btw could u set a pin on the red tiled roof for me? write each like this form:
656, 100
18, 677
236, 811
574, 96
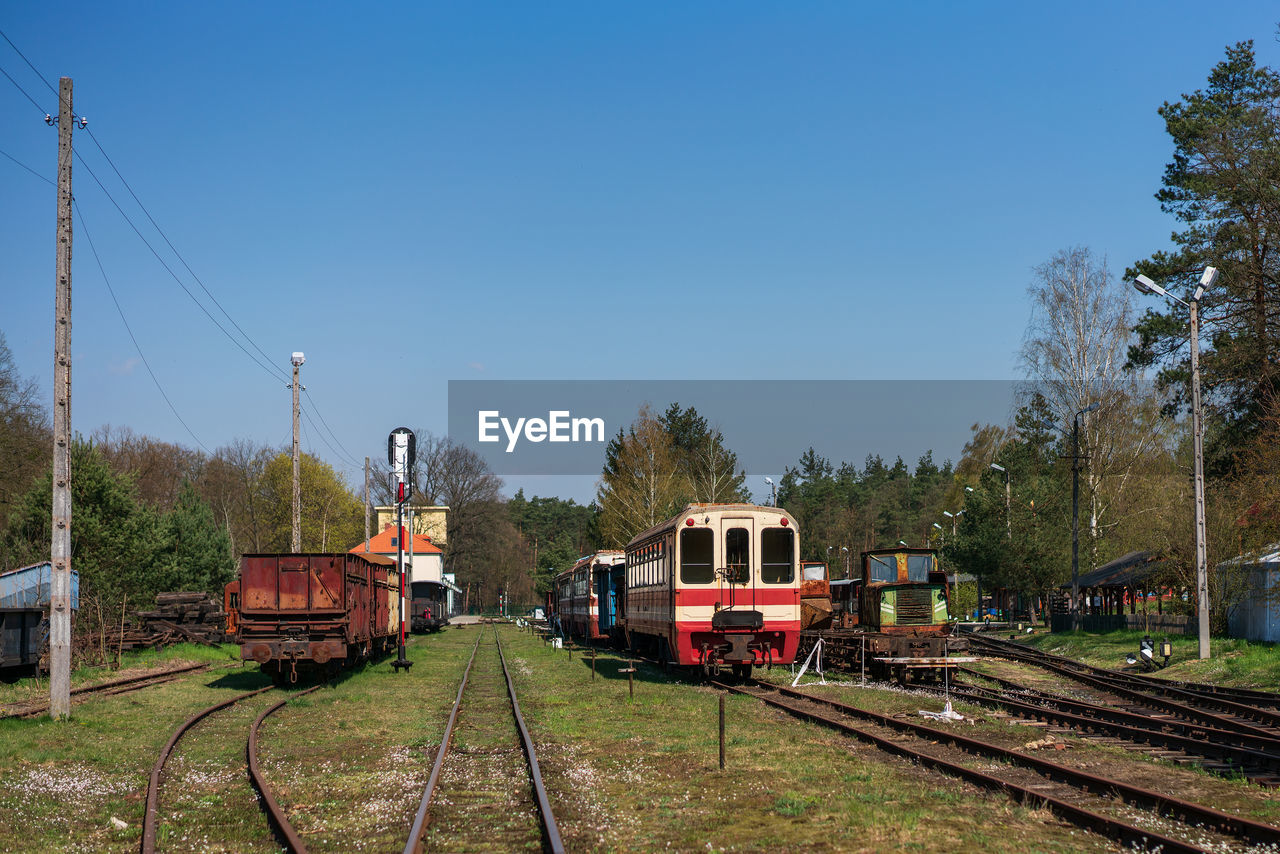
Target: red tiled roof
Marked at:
385, 543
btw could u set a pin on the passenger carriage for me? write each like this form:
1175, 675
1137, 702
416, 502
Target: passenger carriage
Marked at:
716, 586
587, 596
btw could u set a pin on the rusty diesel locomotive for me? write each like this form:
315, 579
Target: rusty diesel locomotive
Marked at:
313, 611
892, 620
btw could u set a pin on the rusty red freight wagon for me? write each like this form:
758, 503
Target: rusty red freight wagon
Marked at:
294, 611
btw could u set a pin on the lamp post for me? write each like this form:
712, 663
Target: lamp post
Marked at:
773, 492
845, 551
1008, 523
1207, 280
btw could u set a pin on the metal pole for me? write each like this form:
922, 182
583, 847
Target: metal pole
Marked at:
60, 545
1075, 523
1197, 429
366, 504
400, 660
296, 541
721, 731
1008, 492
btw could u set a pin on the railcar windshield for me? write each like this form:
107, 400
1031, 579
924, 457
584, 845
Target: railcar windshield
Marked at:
737, 555
883, 567
919, 567
813, 571
777, 556
696, 560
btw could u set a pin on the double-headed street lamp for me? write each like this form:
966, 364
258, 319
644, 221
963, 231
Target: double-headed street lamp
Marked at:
773, 492
1207, 280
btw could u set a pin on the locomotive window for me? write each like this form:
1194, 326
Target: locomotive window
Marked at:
883, 567
814, 572
777, 551
696, 547
737, 555
919, 567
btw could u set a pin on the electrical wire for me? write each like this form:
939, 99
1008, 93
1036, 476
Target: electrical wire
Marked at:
349, 458
29, 65
85, 228
24, 91
272, 372
48, 181
175, 251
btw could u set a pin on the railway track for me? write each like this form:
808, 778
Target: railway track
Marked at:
1222, 751
279, 822
1098, 804
485, 791
1145, 695
106, 689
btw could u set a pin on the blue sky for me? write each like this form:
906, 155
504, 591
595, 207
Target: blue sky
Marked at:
413, 193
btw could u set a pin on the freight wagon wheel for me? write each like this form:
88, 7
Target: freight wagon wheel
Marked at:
902, 674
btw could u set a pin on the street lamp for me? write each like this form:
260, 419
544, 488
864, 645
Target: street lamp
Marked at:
1008, 523
845, 551
1207, 280
773, 492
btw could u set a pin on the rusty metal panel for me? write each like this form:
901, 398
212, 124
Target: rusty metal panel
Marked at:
294, 582
258, 589
326, 582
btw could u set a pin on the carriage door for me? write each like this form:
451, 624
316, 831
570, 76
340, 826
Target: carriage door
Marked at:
737, 543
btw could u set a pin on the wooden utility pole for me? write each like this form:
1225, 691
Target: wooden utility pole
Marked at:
296, 542
60, 550
366, 504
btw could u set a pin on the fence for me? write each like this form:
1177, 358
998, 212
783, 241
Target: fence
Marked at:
1164, 624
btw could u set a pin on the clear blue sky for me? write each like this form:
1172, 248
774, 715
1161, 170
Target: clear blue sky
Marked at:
412, 193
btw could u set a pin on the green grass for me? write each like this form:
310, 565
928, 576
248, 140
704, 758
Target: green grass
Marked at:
349, 763
1232, 662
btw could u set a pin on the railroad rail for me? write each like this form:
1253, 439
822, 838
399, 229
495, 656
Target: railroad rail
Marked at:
275, 814
549, 830
1057, 787
1204, 707
1256, 757
109, 688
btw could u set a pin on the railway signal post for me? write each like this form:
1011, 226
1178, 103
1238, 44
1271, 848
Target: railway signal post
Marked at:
401, 452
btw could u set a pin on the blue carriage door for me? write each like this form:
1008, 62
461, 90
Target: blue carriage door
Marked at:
605, 602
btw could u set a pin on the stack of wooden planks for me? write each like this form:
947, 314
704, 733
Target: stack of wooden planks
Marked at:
180, 617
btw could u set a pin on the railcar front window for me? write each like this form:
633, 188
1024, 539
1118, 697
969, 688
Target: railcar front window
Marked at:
737, 555
777, 553
884, 567
919, 567
696, 561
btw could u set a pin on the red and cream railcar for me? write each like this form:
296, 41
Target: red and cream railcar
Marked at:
577, 596
716, 585
301, 610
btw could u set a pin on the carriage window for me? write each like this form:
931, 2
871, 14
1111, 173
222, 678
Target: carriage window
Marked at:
813, 571
883, 567
919, 567
777, 551
737, 555
696, 546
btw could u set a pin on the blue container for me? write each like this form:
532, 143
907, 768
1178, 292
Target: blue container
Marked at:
28, 587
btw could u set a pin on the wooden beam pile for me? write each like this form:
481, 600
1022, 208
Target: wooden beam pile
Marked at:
177, 617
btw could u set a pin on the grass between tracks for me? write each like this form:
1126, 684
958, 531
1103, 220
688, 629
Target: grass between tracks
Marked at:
350, 762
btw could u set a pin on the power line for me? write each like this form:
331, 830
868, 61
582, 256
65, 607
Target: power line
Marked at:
175, 251
273, 372
85, 228
23, 91
349, 458
29, 65
48, 181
